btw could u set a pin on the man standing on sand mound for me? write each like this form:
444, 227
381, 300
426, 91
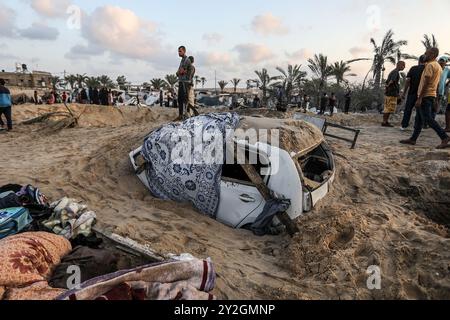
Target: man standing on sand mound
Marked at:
184, 74
426, 100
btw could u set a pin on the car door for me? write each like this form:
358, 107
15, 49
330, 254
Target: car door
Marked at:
237, 201
239, 198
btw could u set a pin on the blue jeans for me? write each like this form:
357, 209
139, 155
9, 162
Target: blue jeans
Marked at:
409, 107
424, 116
7, 112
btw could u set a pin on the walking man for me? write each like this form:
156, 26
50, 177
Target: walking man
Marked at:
427, 94
184, 79
392, 93
411, 88
5, 106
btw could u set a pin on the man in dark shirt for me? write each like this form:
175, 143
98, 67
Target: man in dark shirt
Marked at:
332, 103
83, 96
411, 87
323, 103
256, 102
392, 93
348, 101
95, 98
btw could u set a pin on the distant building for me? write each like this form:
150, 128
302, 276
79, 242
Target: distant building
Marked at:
35, 79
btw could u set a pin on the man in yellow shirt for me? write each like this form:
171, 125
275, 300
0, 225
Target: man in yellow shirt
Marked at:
426, 100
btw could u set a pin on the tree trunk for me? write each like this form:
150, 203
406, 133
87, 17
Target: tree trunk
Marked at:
378, 79
264, 96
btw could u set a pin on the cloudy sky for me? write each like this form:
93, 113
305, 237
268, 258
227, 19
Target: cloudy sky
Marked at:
140, 38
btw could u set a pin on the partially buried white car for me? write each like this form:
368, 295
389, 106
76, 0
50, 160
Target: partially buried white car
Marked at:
299, 167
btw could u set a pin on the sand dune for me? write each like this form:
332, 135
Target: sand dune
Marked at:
389, 207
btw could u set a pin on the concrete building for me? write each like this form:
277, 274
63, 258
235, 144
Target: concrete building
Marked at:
35, 79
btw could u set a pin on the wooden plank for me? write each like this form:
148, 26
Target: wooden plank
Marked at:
130, 245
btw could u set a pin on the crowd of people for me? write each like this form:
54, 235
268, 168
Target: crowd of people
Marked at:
102, 96
424, 90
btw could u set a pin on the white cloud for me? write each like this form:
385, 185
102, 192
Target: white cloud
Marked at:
214, 59
212, 38
121, 32
79, 52
300, 55
268, 24
253, 53
39, 31
7, 21
51, 8
359, 51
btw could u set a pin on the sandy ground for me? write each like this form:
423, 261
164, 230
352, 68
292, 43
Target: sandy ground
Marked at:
389, 207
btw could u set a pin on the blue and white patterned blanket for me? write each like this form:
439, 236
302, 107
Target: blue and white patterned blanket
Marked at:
185, 160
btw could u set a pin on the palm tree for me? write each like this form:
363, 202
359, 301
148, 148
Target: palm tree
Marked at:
264, 81
249, 84
146, 86
222, 84
291, 78
81, 78
122, 82
197, 81
340, 70
92, 82
171, 80
389, 50
157, 83
430, 42
106, 81
235, 82
203, 80
319, 66
55, 80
